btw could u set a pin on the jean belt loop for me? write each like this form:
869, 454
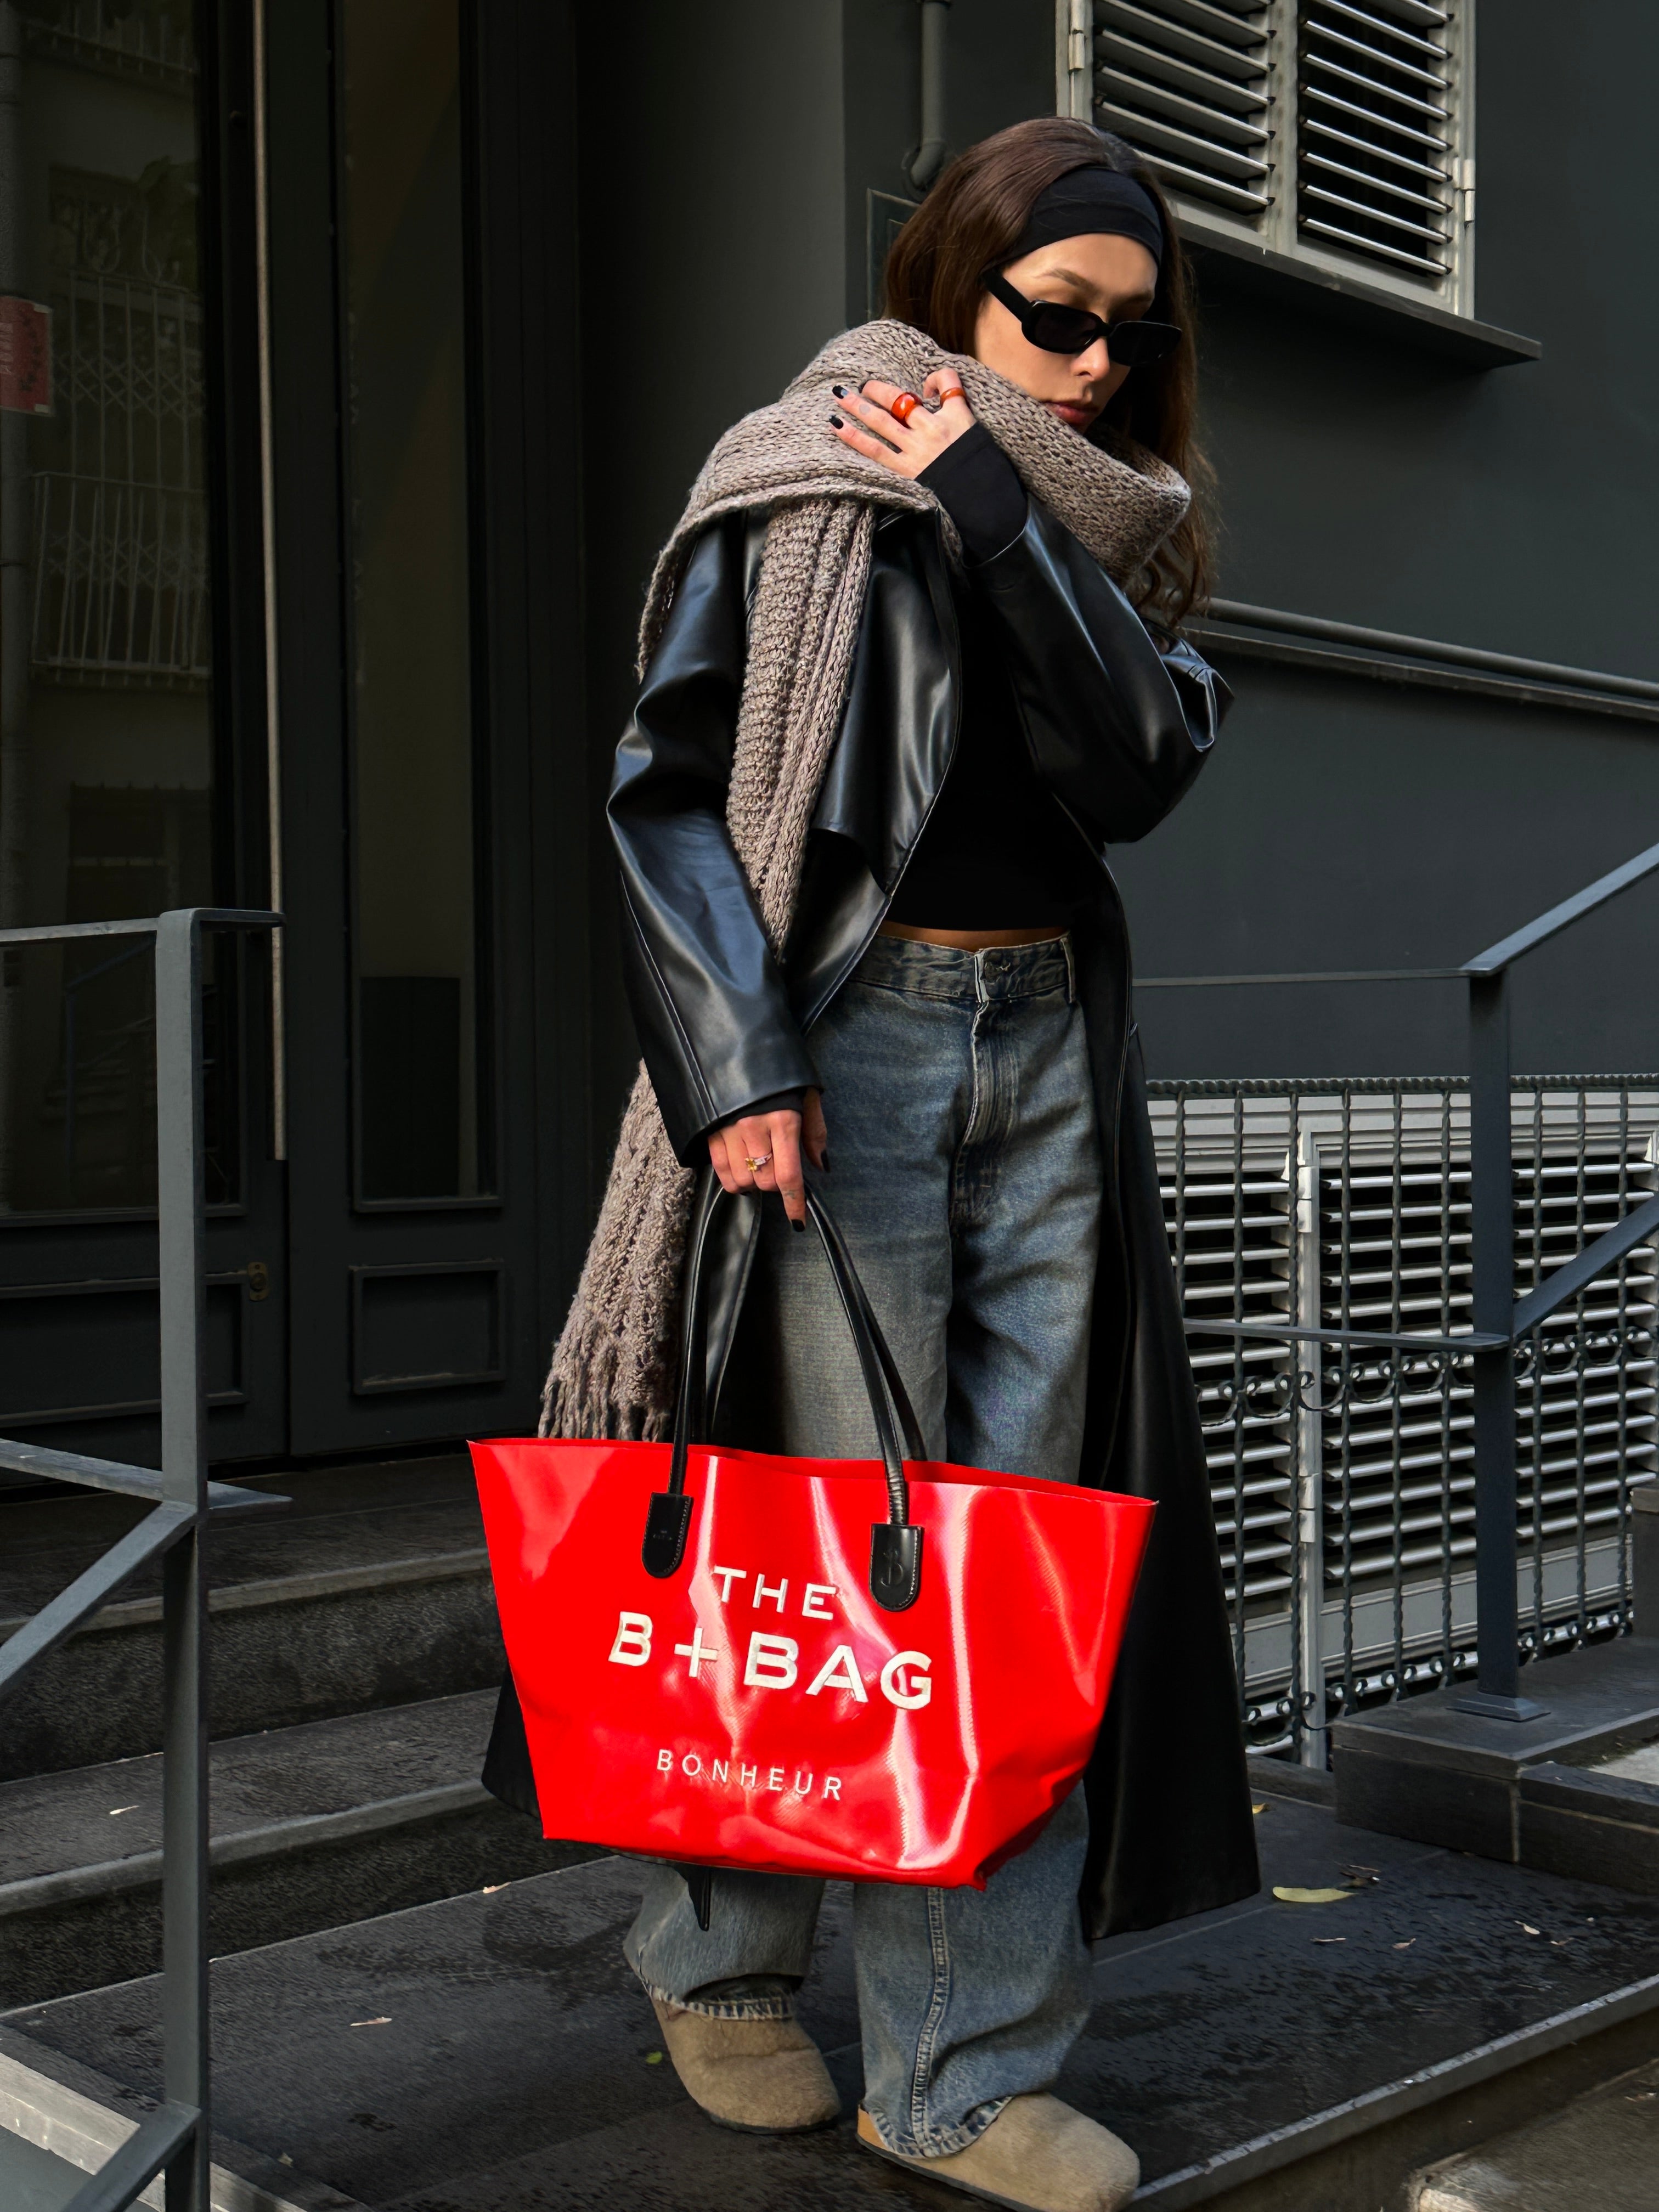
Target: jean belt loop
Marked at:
982, 996
1070, 970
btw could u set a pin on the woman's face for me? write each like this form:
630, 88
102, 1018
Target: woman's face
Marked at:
1114, 277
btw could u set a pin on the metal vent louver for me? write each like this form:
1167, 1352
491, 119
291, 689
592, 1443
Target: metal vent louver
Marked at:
1344, 1499
1186, 82
1337, 133
1377, 168
1227, 1200
1393, 1253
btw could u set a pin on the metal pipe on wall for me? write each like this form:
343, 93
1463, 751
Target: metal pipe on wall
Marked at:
925, 164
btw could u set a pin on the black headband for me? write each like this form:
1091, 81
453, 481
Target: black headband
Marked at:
1093, 199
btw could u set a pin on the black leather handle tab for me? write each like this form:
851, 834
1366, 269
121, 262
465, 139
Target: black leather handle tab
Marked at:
895, 1543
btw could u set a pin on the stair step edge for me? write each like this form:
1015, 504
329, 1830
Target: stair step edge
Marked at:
288, 1589
1285, 2147
142, 1870
85, 2131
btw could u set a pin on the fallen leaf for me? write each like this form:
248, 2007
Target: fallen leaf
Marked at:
1330, 1939
490, 1887
383, 2020
1527, 1929
1406, 1945
1360, 1877
282, 2159
1258, 1808
114, 1809
1312, 1896
653, 2058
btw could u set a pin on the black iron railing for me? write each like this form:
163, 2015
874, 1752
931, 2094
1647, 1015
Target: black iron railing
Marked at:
1503, 1330
175, 2138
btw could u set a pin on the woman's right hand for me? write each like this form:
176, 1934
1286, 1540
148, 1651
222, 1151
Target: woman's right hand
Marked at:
777, 1140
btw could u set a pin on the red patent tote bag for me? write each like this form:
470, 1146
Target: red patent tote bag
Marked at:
886, 1670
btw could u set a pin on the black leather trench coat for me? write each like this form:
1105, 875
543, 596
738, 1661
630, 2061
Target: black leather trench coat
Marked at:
1118, 729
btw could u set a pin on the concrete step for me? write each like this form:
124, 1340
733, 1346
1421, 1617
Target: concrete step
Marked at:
55, 2129
1603, 2150
492, 2053
374, 1589
313, 1826
35, 2179
1564, 1792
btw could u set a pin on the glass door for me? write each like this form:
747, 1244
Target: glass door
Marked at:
118, 744
414, 1239
423, 1051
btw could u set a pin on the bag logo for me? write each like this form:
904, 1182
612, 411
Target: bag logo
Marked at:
771, 1661
693, 1766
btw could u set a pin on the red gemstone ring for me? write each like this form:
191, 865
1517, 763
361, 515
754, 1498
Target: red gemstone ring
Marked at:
904, 406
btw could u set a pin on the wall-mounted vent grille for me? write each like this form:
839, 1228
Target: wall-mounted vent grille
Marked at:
1375, 131
1187, 83
1228, 1210
1393, 1254
1335, 132
1342, 1482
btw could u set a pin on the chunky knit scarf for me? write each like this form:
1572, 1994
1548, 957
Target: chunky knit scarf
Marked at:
613, 1370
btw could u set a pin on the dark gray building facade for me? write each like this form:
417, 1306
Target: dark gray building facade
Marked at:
384, 342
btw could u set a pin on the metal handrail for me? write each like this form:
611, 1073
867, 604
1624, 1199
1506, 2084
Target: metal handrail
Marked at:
1499, 1321
175, 2139
1431, 649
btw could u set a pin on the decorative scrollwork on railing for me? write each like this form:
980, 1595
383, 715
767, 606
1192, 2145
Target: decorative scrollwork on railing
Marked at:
1347, 1381
1591, 1344
1392, 1378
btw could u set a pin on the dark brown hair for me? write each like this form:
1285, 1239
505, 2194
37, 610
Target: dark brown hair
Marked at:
973, 220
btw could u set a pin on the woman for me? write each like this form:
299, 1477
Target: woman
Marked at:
897, 700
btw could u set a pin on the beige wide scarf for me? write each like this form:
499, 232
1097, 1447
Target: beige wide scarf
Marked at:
613, 1370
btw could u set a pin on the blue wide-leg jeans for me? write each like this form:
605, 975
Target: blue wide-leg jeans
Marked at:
966, 1177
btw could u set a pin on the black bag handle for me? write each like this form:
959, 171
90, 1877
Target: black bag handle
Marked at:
895, 1543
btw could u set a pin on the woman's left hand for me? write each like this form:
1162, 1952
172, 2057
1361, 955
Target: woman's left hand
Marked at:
907, 448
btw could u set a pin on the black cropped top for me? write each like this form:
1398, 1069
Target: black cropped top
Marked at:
996, 852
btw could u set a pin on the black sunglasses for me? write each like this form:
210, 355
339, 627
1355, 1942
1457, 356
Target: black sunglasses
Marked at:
1074, 330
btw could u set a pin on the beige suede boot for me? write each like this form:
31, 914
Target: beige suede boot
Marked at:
1038, 2156
763, 2077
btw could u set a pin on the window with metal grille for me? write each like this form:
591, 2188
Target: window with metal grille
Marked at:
1339, 133
120, 508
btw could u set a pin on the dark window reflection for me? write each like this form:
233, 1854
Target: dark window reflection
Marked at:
421, 1029
106, 754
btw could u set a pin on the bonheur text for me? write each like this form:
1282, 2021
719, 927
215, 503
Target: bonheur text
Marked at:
775, 1662
737, 1774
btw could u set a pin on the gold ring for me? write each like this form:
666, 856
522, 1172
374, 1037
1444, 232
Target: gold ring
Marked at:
755, 1166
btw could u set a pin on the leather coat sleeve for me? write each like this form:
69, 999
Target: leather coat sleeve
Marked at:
1118, 729
707, 1000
